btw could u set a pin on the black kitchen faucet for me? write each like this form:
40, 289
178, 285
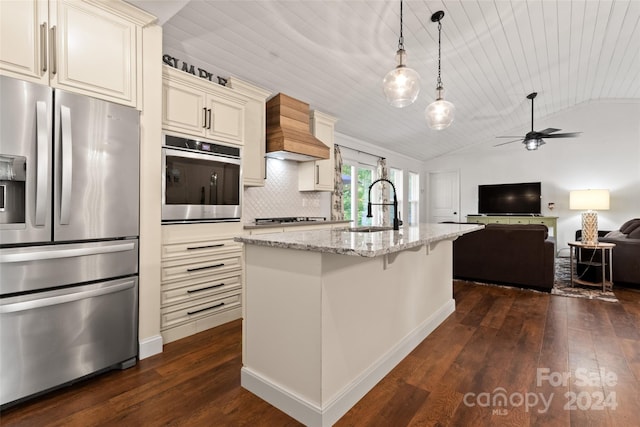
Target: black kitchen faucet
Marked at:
396, 219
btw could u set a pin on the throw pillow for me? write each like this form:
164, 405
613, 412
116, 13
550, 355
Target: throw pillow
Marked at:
615, 234
630, 225
635, 234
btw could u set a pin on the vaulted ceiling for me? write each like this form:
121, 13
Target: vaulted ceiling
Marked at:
334, 55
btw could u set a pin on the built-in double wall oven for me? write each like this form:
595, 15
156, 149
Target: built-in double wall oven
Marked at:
202, 180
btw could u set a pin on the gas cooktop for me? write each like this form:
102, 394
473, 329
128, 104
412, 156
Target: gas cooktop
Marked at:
285, 219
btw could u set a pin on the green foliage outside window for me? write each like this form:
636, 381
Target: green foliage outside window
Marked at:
363, 178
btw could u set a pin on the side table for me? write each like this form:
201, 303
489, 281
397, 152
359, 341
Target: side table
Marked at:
603, 248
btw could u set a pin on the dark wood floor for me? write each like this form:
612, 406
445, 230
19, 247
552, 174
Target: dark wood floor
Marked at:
498, 337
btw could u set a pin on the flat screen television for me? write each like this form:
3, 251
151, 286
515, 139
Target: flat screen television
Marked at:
510, 199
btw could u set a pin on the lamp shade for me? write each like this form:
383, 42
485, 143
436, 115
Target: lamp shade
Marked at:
589, 199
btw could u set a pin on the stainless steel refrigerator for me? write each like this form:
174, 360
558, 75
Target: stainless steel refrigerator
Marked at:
69, 214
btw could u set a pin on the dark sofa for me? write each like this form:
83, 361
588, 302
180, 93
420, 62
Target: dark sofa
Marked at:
626, 255
520, 255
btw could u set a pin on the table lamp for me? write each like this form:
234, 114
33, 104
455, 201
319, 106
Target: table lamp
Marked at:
589, 200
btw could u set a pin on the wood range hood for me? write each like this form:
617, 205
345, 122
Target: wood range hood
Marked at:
288, 133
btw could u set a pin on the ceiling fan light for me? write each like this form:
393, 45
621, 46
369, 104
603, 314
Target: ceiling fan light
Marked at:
533, 144
440, 113
401, 85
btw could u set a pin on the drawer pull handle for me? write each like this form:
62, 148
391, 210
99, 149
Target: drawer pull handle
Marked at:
190, 291
205, 309
206, 267
204, 117
206, 247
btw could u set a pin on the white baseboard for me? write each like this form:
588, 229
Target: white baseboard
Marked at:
313, 416
150, 346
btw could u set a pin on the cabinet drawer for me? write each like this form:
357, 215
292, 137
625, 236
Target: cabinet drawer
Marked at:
520, 221
199, 249
541, 221
497, 221
201, 266
204, 287
193, 310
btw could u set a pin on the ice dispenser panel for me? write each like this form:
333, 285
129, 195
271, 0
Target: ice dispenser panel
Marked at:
12, 189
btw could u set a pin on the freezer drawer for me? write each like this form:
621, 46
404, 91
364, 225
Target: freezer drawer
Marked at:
39, 267
50, 338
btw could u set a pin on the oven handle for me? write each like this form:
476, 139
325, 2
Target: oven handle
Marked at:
65, 253
192, 155
61, 299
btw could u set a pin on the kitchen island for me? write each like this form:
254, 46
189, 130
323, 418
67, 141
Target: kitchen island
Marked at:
328, 313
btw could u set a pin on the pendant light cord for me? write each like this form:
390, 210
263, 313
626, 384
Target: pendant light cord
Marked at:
439, 31
401, 39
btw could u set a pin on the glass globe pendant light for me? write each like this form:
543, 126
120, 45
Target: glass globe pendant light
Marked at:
402, 84
440, 113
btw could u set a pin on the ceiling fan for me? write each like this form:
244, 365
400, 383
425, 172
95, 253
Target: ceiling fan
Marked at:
532, 140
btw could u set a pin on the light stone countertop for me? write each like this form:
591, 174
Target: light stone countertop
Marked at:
372, 244
253, 226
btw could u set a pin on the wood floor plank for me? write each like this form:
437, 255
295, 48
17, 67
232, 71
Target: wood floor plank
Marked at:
498, 339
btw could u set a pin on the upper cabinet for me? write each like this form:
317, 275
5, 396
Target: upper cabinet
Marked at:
198, 107
89, 47
319, 175
253, 160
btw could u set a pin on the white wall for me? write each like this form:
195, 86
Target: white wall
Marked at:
605, 155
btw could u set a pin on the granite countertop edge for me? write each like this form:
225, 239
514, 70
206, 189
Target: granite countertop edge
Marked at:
250, 226
324, 240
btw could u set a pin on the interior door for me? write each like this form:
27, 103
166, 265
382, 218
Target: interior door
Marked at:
96, 148
444, 196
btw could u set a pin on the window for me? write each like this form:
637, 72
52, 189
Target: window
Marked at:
414, 198
396, 176
356, 179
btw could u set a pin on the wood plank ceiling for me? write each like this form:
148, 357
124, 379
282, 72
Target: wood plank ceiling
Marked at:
334, 55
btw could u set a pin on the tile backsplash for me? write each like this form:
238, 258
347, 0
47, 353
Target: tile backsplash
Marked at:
280, 195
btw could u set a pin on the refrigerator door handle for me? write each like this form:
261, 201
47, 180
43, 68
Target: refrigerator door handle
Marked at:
65, 253
42, 162
66, 164
61, 299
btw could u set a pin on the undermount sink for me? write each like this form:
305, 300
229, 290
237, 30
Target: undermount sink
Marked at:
369, 229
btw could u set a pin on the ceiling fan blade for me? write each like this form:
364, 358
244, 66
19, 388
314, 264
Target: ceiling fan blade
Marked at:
549, 130
509, 142
563, 135
510, 136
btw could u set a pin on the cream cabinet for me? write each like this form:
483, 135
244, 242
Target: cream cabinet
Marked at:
201, 278
89, 47
253, 159
319, 175
198, 107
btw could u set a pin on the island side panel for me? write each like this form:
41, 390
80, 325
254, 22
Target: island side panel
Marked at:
282, 321
322, 329
376, 312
